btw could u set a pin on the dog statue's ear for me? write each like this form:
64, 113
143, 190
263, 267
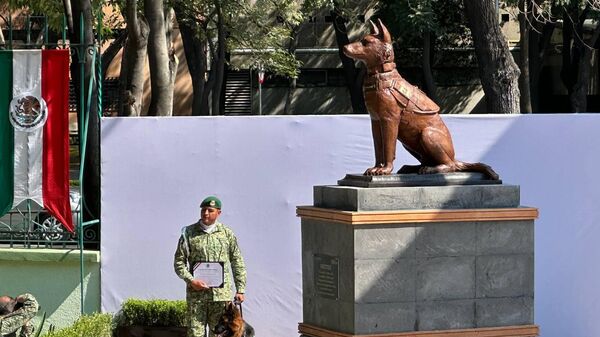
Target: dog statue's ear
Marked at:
374, 29
387, 38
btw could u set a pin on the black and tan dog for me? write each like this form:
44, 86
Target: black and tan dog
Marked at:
231, 323
401, 111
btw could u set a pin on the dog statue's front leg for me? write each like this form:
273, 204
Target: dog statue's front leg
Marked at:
378, 145
389, 129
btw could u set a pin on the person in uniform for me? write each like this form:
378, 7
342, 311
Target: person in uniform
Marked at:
208, 240
16, 313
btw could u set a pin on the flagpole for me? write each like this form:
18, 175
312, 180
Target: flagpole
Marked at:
10, 27
29, 221
82, 144
85, 114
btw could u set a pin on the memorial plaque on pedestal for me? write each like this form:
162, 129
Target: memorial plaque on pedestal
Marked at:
326, 276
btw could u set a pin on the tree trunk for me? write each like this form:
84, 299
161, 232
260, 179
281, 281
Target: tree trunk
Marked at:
498, 71
196, 55
569, 53
354, 77
131, 82
577, 55
91, 172
113, 49
173, 60
68, 15
220, 62
161, 103
210, 83
579, 96
524, 84
291, 90
429, 84
537, 55
573, 57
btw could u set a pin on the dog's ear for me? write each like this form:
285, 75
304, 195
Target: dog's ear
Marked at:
387, 38
374, 29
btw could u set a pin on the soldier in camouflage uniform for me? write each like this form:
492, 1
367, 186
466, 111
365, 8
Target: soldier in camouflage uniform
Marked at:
16, 313
209, 241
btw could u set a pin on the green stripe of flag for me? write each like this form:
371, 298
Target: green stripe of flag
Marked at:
6, 134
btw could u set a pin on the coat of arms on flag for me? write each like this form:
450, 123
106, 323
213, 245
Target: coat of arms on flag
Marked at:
28, 112
34, 131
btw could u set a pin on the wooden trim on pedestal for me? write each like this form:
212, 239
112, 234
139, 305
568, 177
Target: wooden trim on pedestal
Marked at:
412, 216
506, 331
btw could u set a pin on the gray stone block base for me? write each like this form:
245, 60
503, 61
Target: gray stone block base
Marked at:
350, 198
397, 278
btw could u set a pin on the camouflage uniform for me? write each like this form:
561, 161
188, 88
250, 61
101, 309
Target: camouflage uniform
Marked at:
20, 319
218, 246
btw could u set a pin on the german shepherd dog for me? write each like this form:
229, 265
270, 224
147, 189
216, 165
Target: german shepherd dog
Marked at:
231, 323
401, 111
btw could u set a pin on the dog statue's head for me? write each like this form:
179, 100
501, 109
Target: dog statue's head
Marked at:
230, 323
374, 49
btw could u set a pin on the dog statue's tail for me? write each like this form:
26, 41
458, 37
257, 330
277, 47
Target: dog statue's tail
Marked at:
477, 167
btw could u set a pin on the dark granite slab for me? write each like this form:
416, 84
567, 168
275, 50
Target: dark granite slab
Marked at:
401, 180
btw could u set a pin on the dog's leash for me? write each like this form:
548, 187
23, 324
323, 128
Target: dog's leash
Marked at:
239, 304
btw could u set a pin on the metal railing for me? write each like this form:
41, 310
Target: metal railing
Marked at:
38, 229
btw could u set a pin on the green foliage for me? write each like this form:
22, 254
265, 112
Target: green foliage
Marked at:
265, 27
415, 16
262, 27
53, 11
257, 31
409, 19
550, 11
160, 313
351, 9
97, 325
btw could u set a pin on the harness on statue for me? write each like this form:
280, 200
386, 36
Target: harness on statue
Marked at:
408, 96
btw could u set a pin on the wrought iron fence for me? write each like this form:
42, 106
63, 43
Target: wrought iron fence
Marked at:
24, 227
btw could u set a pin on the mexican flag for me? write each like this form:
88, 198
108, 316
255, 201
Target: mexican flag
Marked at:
34, 131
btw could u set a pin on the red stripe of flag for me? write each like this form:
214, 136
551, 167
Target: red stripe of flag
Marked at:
55, 162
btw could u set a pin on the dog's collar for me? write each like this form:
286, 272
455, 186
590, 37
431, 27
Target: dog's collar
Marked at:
378, 80
383, 75
385, 68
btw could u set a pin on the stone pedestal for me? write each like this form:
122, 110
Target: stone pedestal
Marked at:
417, 261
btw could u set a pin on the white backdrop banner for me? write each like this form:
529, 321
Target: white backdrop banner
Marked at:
155, 172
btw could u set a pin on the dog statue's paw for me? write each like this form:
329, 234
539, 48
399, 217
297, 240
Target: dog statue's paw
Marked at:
382, 170
372, 171
385, 171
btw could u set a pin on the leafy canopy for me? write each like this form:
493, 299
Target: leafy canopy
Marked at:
409, 19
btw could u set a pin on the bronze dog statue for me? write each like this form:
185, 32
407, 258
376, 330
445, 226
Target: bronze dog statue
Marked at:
401, 111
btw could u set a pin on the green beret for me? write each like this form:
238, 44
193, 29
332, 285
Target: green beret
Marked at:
211, 201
